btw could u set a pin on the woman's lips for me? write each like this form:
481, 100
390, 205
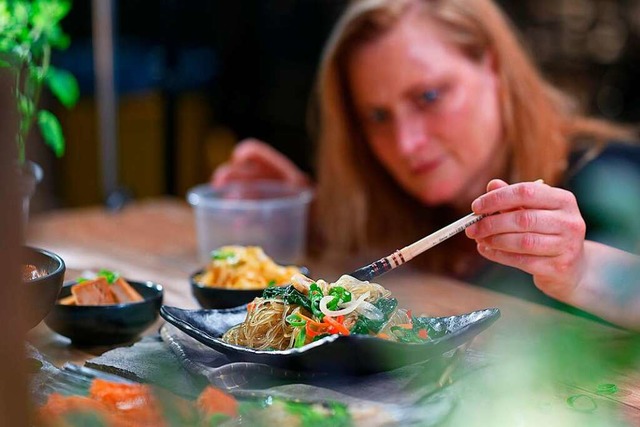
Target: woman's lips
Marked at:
427, 166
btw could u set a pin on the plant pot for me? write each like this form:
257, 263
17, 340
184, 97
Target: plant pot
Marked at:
30, 174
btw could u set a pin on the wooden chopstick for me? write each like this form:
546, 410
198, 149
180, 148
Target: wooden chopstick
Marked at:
407, 253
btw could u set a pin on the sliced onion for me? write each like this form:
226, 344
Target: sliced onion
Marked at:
348, 308
370, 311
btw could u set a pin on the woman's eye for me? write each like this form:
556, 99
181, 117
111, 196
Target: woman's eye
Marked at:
430, 96
378, 115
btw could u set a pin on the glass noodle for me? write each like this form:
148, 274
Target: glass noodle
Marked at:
308, 310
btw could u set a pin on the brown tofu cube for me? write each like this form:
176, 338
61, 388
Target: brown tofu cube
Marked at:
93, 292
124, 292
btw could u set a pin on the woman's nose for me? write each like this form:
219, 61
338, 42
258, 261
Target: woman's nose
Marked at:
411, 134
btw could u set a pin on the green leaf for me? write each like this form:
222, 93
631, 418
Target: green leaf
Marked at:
111, 276
7, 45
64, 86
58, 38
25, 105
47, 13
37, 74
4, 64
51, 131
20, 13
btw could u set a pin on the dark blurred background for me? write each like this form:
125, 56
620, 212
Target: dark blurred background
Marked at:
194, 76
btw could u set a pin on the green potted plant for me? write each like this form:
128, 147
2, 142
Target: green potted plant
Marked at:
29, 31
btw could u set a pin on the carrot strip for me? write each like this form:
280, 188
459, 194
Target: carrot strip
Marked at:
215, 401
338, 327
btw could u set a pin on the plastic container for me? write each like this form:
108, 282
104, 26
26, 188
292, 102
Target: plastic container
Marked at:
269, 214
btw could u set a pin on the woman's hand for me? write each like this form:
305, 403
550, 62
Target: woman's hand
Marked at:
253, 160
536, 228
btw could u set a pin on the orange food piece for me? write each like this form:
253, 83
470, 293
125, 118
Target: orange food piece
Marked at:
70, 300
58, 407
133, 405
93, 292
134, 401
215, 401
124, 292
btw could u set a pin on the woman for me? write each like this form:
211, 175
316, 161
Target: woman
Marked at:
420, 104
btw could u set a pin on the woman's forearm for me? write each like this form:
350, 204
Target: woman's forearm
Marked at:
609, 286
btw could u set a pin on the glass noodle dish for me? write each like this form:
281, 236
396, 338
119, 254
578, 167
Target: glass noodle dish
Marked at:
307, 310
244, 267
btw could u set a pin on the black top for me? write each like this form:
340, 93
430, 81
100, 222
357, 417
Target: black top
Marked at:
607, 188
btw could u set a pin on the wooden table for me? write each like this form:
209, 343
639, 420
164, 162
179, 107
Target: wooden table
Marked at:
155, 240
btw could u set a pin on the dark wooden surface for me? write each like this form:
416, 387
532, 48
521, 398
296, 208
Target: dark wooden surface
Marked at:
155, 240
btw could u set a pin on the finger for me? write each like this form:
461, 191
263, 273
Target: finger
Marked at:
519, 221
494, 184
531, 264
220, 176
244, 172
522, 195
268, 159
527, 244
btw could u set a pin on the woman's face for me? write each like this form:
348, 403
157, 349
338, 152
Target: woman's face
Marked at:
430, 114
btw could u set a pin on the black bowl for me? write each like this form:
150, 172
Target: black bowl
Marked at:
215, 297
41, 293
106, 324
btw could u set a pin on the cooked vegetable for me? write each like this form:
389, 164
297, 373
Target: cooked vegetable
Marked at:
307, 310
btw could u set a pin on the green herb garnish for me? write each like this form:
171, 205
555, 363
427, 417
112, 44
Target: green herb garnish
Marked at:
302, 336
295, 320
340, 296
435, 326
315, 295
288, 294
109, 275
313, 415
219, 254
365, 325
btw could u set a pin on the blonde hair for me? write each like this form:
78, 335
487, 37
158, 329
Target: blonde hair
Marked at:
359, 205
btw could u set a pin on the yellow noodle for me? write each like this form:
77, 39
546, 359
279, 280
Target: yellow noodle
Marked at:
248, 267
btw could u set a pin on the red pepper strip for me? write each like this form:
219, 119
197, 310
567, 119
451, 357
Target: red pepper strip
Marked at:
311, 332
422, 333
338, 327
251, 306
